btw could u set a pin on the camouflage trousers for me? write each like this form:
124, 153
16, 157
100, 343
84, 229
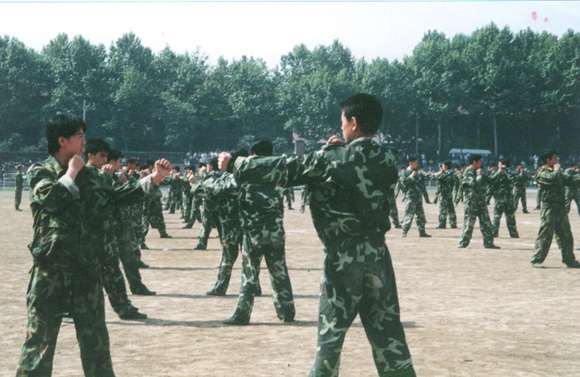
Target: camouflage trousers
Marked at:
195, 211
186, 209
554, 219
500, 207
414, 208
393, 212
231, 241
364, 285
470, 215
17, 198
174, 201
152, 215
209, 221
267, 242
289, 196
130, 255
520, 195
572, 196
113, 280
539, 199
447, 209
49, 292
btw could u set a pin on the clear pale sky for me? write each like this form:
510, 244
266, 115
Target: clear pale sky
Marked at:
268, 30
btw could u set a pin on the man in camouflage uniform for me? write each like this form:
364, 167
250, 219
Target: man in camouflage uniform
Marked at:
413, 183
262, 218
97, 156
128, 249
554, 218
152, 213
520, 177
502, 191
19, 185
175, 190
572, 192
358, 272
457, 189
209, 217
539, 192
134, 214
194, 211
225, 191
187, 195
444, 195
71, 205
473, 187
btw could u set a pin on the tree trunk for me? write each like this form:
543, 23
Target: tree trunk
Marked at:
417, 133
439, 137
494, 135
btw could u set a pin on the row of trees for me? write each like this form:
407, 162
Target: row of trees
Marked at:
511, 93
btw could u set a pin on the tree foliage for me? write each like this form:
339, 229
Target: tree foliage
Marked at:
519, 91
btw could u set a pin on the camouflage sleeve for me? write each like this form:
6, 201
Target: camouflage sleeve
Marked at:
571, 179
226, 185
282, 171
133, 192
548, 177
48, 191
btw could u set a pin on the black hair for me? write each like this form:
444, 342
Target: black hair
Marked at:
131, 160
213, 163
367, 110
547, 154
474, 158
95, 146
447, 164
262, 147
412, 159
507, 163
150, 163
62, 125
574, 164
201, 165
115, 154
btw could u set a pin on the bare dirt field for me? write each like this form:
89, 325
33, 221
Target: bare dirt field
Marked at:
466, 312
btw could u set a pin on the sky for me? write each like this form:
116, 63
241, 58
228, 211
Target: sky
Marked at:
270, 29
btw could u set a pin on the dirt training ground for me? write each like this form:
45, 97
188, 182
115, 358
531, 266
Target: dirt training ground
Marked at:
466, 312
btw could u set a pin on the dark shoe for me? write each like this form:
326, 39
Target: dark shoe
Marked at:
574, 264
131, 312
165, 235
200, 247
258, 292
491, 247
288, 314
142, 264
461, 246
424, 235
440, 227
538, 265
18, 209
236, 320
453, 226
537, 209
398, 226
213, 292
144, 247
516, 236
188, 226
526, 211
143, 291
404, 234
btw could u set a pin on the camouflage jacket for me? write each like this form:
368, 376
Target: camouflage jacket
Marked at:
347, 184
473, 187
72, 218
413, 186
501, 186
571, 173
520, 179
223, 190
19, 180
445, 183
552, 183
